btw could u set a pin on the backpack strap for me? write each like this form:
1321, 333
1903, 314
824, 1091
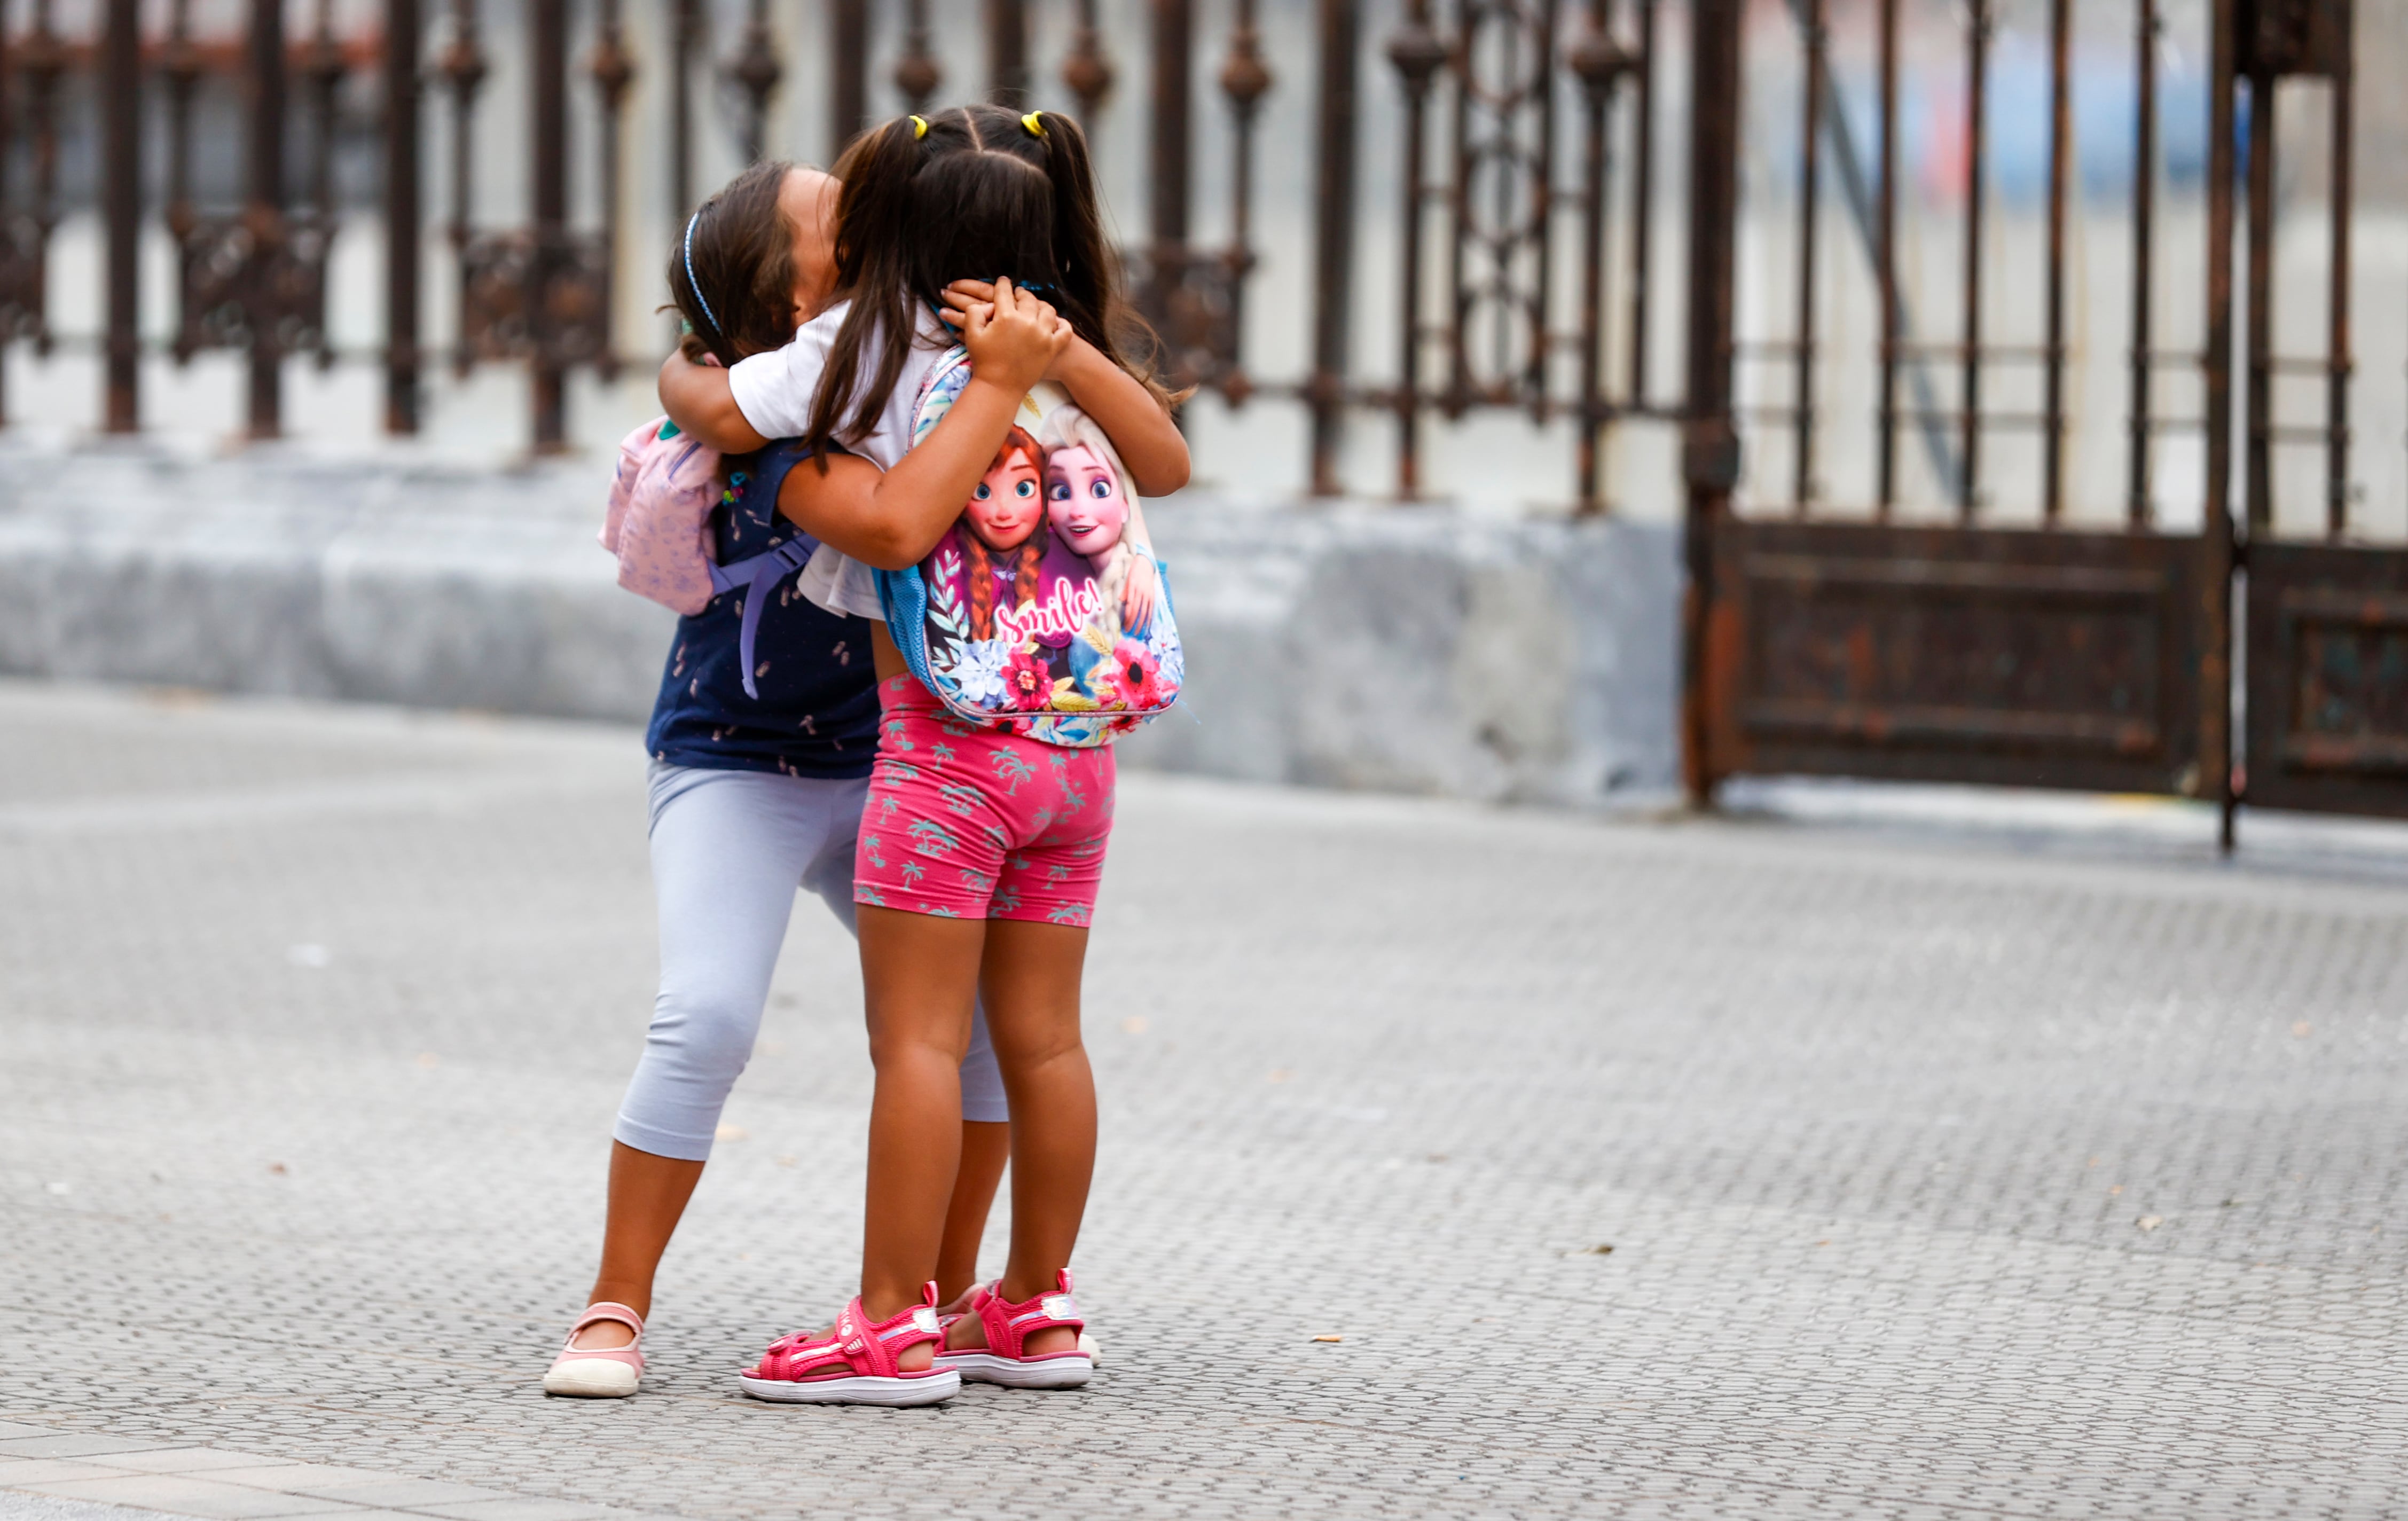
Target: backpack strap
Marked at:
756, 576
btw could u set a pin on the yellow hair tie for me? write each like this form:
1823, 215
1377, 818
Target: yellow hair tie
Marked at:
919, 128
1036, 126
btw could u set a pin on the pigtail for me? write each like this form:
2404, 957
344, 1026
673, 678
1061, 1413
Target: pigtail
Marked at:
1095, 303
874, 234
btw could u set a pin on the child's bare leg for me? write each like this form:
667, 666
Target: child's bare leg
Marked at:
985, 1147
921, 975
647, 1196
1030, 979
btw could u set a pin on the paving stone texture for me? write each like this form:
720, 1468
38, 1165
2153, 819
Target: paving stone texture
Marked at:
1943, 1175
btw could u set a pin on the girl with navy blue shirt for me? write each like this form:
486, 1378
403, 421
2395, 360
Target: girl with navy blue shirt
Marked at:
753, 795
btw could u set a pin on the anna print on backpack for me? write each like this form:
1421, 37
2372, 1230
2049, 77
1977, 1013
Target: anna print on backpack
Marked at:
1039, 612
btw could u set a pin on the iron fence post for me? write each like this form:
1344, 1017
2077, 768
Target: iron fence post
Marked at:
1539, 297
2215, 545
463, 65
1007, 52
1087, 73
263, 174
2145, 224
548, 97
2338, 362
2060, 173
1810, 187
1244, 79
1969, 384
1418, 55
122, 195
916, 73
7, 227
1169, 153
685, 26
754, 70
1170, 160
1643, 204
1333, 237
1710, 444
612, 70
41, 60
401, 213
1886, 264
1599, 63
848, 71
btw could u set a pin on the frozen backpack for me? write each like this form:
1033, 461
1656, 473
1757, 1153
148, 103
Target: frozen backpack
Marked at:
658, 523
1041, 611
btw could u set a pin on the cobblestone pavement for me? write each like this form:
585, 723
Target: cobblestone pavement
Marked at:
1942, 1175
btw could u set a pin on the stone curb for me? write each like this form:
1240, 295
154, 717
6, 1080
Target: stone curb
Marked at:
1406, 648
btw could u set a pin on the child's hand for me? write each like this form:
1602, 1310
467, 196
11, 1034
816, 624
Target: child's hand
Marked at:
964, 297
961, 297
1137, 594
1012, 339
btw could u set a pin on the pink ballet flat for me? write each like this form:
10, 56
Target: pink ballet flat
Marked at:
598, 1372
1005, 1360
856, 1363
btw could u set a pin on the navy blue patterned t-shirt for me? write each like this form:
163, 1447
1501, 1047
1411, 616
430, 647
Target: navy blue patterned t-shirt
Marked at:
817, 714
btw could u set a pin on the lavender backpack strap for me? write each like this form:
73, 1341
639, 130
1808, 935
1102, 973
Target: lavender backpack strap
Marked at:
754, 577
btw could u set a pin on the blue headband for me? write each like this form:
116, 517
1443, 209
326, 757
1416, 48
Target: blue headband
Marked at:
695, 285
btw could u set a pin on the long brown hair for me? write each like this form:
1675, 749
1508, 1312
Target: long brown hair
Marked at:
740, 247
1027, 559
982, 193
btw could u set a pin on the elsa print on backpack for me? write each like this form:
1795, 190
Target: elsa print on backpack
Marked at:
1042, 611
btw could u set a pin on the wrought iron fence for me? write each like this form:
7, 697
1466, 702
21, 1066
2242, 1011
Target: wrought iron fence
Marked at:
2033, 625
1515, 115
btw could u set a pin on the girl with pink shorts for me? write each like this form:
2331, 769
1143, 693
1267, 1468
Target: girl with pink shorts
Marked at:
980, 854
968, 822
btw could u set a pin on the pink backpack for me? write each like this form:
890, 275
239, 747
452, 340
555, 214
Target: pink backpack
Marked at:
659, 519
658, 523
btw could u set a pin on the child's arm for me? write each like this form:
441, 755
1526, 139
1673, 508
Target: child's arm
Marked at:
1149, 444
893, 520
700, 402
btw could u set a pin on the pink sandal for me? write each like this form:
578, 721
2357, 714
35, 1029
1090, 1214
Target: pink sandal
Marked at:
948, 1313
1005, 1360
856, 1363
599, 1372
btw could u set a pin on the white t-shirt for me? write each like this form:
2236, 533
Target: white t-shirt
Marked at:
775, 392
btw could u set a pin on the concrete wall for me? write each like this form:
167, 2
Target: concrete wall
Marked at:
1399, 648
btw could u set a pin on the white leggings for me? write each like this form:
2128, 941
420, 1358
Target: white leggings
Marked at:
729, 848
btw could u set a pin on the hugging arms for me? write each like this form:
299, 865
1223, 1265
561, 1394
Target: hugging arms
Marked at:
892, 518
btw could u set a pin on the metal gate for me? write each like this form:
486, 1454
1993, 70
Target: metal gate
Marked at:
1986, 628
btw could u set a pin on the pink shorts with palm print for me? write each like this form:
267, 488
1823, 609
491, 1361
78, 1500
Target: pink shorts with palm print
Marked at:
976, 823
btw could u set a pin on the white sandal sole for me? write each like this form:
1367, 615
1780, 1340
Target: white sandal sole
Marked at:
860, 1389
1048, 1373
591, 1377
